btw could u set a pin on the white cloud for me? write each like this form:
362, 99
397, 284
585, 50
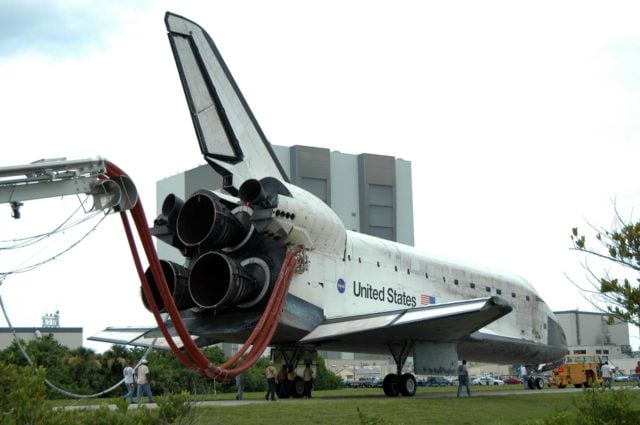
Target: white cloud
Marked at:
520, 120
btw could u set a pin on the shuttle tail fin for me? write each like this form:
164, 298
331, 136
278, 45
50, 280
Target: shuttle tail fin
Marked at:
230, 138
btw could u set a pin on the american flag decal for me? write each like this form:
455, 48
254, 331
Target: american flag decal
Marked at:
427, 300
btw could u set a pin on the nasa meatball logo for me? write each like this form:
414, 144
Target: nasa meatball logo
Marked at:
341, 286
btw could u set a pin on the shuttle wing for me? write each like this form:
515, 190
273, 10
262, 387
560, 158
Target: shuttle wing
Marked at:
445, 322
134, 336
230, 138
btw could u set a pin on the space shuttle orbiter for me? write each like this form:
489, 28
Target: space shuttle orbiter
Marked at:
374, 296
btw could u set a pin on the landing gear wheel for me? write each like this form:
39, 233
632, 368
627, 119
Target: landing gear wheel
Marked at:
539, 383
531, 383
298, 388
390, 385
408, 385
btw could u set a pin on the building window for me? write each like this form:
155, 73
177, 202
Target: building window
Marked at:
473, 285
455, 281
316, 186
380, 211
499, 291
487, 288
381, 232
380, 195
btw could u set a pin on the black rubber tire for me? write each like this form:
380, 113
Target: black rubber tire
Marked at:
298, 388
531, 383
408, 385
390, 385
539, 383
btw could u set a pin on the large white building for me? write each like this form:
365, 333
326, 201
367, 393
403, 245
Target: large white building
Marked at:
591, 333
69, 337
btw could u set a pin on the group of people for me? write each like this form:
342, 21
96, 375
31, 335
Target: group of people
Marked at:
283, 383
137, 379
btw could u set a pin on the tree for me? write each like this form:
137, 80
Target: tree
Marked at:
326, 379
618, 285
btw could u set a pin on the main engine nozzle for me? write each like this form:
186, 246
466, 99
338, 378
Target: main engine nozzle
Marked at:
171, 207
164, 227
205, 221
178, 281
220, 281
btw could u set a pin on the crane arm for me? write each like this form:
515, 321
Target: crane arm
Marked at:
59, 177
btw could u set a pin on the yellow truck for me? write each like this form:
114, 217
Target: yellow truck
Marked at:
579, 370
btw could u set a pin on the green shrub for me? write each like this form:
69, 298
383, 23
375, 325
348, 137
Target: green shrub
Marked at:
176, 406
598, 407
23, 400
606, 407
22, 394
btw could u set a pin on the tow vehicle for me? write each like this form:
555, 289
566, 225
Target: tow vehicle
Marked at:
579, 370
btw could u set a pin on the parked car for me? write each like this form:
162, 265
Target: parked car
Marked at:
487, 380
634, 377
437, 381
365, 382
512, 381
621, 378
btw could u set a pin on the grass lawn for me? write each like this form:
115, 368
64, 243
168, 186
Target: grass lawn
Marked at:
429, 406
343, 406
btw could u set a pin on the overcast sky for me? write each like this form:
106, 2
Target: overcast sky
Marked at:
520, 120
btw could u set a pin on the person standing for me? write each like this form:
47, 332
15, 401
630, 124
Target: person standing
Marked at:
524, 376
463, 378
270, 373
607, 374
240, 386
638, 373
127, 372
307, 377
281, 382
143, 381
291, 381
